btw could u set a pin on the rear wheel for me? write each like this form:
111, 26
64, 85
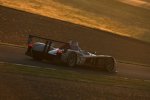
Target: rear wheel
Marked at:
36, 56
72, 59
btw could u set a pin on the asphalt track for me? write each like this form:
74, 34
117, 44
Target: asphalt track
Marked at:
16, 55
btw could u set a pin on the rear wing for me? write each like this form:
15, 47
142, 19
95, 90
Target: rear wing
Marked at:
30, 39
48, 43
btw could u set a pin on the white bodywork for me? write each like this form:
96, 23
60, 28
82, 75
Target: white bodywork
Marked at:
82, 57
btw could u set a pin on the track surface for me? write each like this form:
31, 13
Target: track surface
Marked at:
16, 25
16, 55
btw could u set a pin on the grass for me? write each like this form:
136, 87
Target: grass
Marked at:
25, 82
75, 76
114, 16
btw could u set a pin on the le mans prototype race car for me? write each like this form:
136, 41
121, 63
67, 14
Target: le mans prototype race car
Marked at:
67, 53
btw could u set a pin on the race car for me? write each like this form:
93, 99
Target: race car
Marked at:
68, 53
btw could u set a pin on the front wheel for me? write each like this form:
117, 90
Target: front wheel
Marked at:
72, 59
110, 66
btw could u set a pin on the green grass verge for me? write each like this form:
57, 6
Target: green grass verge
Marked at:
76, 76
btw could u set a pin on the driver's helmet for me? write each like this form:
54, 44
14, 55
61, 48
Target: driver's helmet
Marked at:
74, 45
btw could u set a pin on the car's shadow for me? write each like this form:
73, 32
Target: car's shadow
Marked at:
78, 69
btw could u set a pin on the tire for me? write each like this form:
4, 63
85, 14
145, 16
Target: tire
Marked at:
72, 59
110, 66
36, 56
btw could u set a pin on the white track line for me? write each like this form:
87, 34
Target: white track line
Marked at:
132, 63
26, 65
13, 45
